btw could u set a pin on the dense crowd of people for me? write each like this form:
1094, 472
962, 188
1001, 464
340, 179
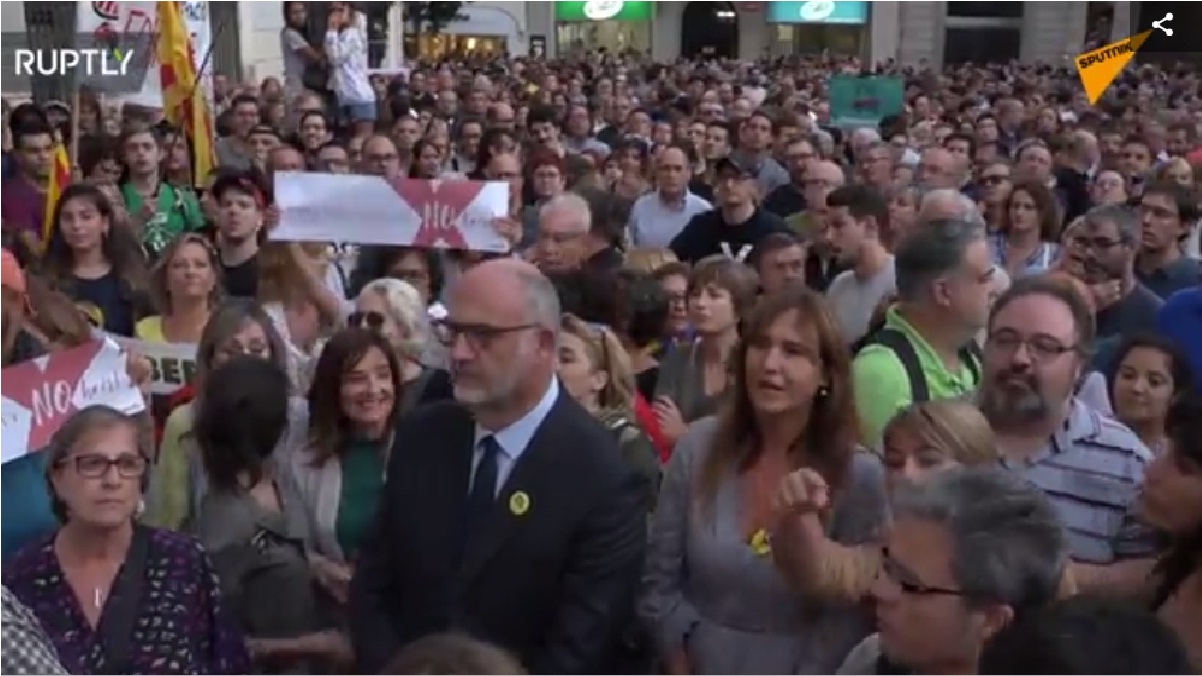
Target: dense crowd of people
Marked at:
749, 394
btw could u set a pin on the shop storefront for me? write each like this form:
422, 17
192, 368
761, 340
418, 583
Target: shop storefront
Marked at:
814, 26
611, 24
482, 29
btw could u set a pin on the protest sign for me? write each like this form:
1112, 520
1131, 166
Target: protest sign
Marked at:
405, 212
858, 101
134, 25
43, 393
173, 364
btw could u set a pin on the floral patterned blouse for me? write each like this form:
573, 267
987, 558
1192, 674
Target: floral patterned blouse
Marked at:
181, 628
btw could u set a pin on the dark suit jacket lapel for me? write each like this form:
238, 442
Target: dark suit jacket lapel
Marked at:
527, 475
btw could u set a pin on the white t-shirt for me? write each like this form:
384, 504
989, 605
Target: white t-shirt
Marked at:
854, 300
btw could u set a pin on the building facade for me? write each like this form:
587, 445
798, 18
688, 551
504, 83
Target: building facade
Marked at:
247, 44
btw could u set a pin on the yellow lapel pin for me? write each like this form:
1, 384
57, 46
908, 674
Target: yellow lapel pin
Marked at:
760, 543
519, 503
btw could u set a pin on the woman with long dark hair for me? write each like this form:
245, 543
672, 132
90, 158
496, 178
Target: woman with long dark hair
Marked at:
1150, 374
252, 520
354, 403
304, 64
710, 588
97, 261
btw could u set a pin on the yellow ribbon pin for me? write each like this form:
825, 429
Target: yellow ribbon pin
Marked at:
519, 503
760, 543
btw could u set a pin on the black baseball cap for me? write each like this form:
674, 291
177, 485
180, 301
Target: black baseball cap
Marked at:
731, 164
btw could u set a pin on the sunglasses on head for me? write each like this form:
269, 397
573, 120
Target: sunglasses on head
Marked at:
371, 320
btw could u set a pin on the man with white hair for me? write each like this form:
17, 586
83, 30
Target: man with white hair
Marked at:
563, 224
509, 511
579, 230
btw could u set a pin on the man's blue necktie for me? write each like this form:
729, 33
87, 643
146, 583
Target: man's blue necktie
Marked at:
484, 487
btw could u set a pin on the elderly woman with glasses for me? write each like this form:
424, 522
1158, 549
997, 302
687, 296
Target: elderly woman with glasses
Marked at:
113, 596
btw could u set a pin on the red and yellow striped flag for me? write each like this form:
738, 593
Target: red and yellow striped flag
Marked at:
184, 103
60, 176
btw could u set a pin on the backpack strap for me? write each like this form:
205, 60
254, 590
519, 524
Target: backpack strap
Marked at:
897, 342
125, 601
972, 357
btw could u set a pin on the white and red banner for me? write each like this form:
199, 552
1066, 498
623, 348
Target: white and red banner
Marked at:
138, 21
43, 393
406, 212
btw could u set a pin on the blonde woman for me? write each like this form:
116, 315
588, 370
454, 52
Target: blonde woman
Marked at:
596, 371
920, 439
647, 260
294, 292
185, 288
396, 310
1176, 170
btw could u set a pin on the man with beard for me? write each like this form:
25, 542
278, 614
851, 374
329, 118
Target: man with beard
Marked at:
509, 513
1088, 464
1101, 250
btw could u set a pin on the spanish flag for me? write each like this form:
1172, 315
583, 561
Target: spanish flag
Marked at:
60, 176
184, 104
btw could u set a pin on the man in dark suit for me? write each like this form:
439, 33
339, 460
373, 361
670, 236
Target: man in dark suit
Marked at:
509, 513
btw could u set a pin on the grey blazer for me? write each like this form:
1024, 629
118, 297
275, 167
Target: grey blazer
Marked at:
706, 590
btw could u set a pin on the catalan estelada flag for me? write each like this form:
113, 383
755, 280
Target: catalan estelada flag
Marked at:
60, 176
184, 103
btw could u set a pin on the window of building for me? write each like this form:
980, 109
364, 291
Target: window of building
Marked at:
985, 10
981, 45
615, 36
813, 38
441, 45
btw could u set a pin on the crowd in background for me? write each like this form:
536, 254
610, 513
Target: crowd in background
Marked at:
750, 393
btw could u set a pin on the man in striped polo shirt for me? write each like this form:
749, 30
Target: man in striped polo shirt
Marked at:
1089, 465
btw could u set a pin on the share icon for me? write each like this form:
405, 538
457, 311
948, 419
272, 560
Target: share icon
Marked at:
1161, 24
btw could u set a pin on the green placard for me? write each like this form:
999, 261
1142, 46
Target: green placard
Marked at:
603, 10
862, 101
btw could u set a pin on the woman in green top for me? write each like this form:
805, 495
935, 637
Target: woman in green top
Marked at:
159, 210
353, 408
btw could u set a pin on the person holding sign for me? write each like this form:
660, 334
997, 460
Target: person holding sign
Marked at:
96, 260
242, 199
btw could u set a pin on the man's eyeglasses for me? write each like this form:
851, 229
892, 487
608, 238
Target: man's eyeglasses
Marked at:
96, 465
1041, 347
909, 582
1100, 244
371, 320
994, 179
478, 336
